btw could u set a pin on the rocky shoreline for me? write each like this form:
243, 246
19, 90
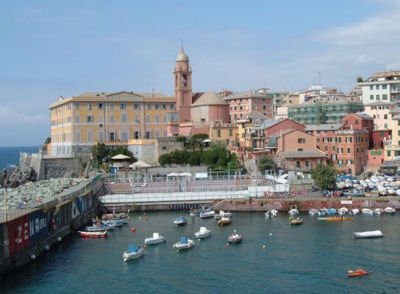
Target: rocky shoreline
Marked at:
17, 176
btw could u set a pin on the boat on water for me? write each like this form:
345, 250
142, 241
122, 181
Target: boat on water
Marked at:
293, 210
195, 212
221, 214
357, 273
155, 239
207, 214
331, 211
102, 234
339, 218
235, 238
368, 234
95, 228
133, 252
295, 221
271, 213
225, 221
343, 211
322, 212
355, 211
390, 210
184, 244
378, 211
203, 233
313, 211
180, 221
367, 211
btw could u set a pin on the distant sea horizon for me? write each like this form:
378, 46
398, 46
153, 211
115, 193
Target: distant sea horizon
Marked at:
10, 154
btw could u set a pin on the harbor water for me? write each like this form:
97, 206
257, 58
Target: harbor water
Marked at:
312, 258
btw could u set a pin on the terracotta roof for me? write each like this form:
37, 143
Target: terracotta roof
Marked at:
309, 153
209, 98
385, 74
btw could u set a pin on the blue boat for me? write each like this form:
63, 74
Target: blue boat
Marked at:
180, 221
133, 252
331, 211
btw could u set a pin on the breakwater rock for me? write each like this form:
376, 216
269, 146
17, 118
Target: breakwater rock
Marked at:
17, 176
35, 193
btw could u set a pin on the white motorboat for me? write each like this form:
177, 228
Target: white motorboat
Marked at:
391, 191
355, 211
271, 213
343, 211
235, 238
293, 211
390, 210
322, 212
180, 221
313, 211
378, 211
184, 244
222, 214
156, 239
203, 233
367, 211
368, 234
207, 214
133, 252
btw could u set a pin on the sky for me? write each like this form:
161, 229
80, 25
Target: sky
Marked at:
53, 48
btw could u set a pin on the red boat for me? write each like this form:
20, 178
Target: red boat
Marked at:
102, 234
359, 272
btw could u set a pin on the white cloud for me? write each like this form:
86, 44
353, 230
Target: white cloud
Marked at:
10, 117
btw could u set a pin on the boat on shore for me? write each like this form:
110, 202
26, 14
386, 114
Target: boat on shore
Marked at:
368, 234
133, 252
203, 233
357, 273
155, 239
102, 234
180, 221
183, 244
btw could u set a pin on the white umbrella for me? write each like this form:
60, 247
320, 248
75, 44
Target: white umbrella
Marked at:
140, 164
120, 156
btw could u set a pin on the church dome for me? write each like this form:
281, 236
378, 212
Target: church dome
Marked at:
209, 98
182, 56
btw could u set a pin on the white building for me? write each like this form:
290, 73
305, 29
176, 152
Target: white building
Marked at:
383, 86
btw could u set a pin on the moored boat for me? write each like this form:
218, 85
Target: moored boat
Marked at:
357, 273
133, 252
343, 211
355, 211
367, 211
207, 214
235, 238
339, 218
184, 244
102, 234
95, 228
368, 234
390, 210
293, 210
203, 233
271, 213
378, 211
195, 212
224, 221
180, 221
295, 222
313, 211
155, 239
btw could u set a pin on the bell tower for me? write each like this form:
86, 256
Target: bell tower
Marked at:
183, 86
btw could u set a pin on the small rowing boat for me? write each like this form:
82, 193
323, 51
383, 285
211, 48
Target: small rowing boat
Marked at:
102, 234
368, 234
357, 273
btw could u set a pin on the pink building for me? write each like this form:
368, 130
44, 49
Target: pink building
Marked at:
241, 104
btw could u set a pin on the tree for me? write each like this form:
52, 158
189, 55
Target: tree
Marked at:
196, 140
266, 163
99, 153
360, 80
324, 176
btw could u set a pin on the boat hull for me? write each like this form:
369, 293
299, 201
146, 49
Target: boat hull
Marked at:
152, 241
134, 255
93, 234
368, 235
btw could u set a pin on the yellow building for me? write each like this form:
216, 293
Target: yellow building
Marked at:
392, 147
123, 118
225, 133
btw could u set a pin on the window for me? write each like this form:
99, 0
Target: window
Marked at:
384, 96
348, 161
165, 118
385, 126
89, 106
172, 106
89, 119
112, 106
78, 137
388, 153
348, 150
78, 119
371, 97
378, 97
308, 163
137, 118
112, 118
319, 148
136, 106
356, 121
123, 118
148, 135
384, 87
157, 118
148, 105
164, 106
318, 139
77, 105
218, 133
100, 106
136, 135
101, 136
377, 87
300, 149
124, 136
326, 148
230, 132
385, 116
157, 106
371, 87
90, 136
298, 164
123, 106
147, 118
163, 148
301, 140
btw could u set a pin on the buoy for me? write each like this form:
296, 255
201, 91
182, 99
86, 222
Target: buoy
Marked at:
227, 245
270, 234
264, 246
59, 239
145, 246
133, 229
33, 256
46, 247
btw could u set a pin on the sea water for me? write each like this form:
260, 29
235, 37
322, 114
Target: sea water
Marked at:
10, 155
311, 258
